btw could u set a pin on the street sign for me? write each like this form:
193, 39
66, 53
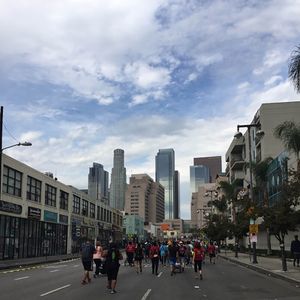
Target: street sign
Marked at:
253, 228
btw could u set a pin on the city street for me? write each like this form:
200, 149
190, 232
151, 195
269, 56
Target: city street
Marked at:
224, 280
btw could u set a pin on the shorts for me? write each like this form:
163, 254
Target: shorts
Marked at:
197, 264
173, 261
212, 254
112, 271
87, 265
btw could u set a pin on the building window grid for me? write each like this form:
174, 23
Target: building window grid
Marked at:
85, 208
33, 189
76, 205
92, 210
64, 199
12, 180
50, 195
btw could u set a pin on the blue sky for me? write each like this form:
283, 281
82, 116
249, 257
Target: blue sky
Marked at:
81, 78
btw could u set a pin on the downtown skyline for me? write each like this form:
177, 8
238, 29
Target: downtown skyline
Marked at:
163, 74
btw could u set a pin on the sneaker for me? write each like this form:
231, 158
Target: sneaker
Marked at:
201, 277
113, 291
83, 282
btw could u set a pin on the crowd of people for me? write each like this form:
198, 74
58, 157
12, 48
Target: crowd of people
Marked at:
175, 253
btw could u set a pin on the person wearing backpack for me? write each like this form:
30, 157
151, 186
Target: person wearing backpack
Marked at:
97, 256
181, 254
138, 258
113, 256
198, 257
154, 255
87, 251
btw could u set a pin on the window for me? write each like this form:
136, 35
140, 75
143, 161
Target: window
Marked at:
85, 208
12, 181
92, 210
63, 200
76, 205
33, 189
50, 195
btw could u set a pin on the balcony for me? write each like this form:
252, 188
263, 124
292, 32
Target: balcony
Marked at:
237, 162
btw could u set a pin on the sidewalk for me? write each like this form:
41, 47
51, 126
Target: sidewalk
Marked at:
267, 265
27, 262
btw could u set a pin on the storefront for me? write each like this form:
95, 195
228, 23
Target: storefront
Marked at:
21, 238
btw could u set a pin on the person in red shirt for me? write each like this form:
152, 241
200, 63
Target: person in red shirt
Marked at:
211, 252
130, 249
154, 255
198, 257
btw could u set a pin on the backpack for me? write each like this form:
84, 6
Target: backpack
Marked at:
198, 254
181, 250
87, 252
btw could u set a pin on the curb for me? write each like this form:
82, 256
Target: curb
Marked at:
261, 270
34, 264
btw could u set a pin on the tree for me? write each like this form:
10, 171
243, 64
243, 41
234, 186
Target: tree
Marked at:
289, 133
260, 171
283, 216
294, 69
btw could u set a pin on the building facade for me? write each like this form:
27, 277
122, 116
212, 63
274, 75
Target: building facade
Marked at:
145, 198
176, 195
199, 175
213, 163
165, 175
40, 215
98, 183
118, 181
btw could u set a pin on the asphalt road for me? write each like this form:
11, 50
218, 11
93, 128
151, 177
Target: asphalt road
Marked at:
224, 280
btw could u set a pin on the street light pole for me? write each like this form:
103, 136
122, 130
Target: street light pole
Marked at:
237, 135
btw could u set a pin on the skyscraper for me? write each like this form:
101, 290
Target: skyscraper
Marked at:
118, 181
165, 175
98, 183
176, 195
198, 176
213, 163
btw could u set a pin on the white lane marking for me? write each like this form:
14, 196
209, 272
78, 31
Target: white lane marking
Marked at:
20, 278
53, 291
159, 274
196, 286
54, 271
146, 294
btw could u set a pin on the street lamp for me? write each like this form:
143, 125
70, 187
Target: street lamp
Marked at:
259, 134
26, 144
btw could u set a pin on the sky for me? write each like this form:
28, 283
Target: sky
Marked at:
80, 78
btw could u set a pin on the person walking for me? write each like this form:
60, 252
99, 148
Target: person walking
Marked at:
211, 249
173, 255
97, 256
163, 251
138, 258
198, 257
87, 251
130, 248
295, 250
154, 255
113, 256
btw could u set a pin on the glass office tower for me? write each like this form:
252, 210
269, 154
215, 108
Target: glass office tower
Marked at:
198, 175
165, 175
98, 183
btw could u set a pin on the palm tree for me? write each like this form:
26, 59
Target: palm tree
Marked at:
260, 171
294, 68
289, 133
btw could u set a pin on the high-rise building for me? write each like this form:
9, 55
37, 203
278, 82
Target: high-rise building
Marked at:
165, 174
118, 181
98, 183
199, 175
213, 163
145, 198
176, 195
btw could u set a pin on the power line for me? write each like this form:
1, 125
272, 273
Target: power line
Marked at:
9, 132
